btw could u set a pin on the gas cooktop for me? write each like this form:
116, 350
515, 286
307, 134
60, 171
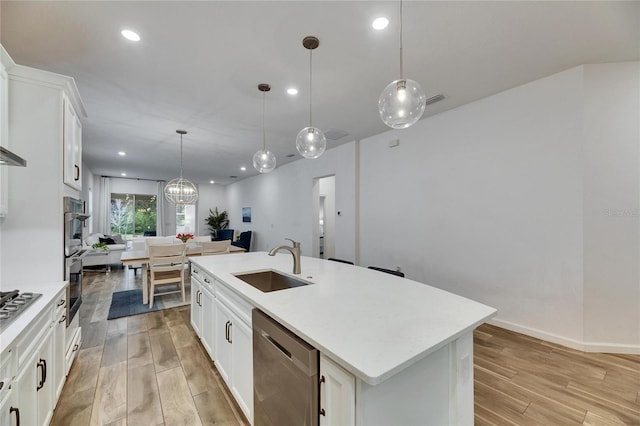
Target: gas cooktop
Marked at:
12, 304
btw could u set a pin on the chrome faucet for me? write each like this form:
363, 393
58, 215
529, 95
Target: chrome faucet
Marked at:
295, 252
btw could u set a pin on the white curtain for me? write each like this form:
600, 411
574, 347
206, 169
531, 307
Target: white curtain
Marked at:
103, 220
160, 206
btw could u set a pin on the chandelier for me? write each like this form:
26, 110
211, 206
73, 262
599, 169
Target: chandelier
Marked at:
180, 190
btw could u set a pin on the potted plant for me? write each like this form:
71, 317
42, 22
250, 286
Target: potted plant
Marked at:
216, 221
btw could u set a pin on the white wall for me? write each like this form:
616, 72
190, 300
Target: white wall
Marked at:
502, 201
281, 202
612, 204
485, 201
211, 196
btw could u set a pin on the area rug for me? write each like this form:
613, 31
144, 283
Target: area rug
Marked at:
129, 302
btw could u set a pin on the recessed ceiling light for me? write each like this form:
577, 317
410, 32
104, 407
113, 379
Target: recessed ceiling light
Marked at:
123, 174
243, 168
130, 35
292, 91
122, 153
212, 181
380, 23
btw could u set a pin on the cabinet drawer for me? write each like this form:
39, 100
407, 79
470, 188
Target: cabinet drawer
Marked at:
6, 372
60, 302
237, 304
33, 335
73, 349
203, 277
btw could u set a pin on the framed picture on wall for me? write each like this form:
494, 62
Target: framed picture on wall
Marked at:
246, 214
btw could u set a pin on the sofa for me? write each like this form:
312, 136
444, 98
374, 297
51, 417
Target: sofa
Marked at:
98, 257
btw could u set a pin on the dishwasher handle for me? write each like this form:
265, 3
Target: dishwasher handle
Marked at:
276, 345
280, 341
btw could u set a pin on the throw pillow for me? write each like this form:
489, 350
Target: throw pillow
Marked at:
108, 241
117, 238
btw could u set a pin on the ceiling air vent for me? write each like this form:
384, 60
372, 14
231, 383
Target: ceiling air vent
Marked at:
335, 134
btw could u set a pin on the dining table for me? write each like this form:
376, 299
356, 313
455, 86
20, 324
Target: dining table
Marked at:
140, 259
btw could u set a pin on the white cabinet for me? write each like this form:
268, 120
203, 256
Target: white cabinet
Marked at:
58, 373
32, 387
337, 394
34, 367
234, 353
38, 104
196, 307
8, 414
208, 320
72, 141
203, 308
223, 341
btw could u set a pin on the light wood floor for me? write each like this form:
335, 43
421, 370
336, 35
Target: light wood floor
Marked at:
147, 369
151, 370
520, 380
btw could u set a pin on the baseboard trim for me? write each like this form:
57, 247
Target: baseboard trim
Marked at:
565, 341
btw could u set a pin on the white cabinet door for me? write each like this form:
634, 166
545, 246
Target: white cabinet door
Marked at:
242, 367
25, 397
223, 352
58, 355
7, 415
72, 145
208, 326
196, 308
45, 381
337, 394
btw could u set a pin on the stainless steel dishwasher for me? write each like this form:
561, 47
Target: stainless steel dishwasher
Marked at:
285, 375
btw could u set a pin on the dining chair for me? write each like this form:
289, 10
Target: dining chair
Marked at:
166, 266
387, 271
216, 247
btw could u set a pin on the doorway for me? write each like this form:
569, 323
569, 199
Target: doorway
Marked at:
324, 217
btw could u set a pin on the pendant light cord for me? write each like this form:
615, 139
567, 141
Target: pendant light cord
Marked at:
310, 80
180, 156
264, 137
401, 70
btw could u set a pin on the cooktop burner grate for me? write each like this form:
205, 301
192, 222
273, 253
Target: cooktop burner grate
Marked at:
12, 304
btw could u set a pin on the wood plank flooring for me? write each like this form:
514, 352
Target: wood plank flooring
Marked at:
520, 380
147, 369
151, 370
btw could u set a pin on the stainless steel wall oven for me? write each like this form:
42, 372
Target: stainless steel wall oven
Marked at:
74, 217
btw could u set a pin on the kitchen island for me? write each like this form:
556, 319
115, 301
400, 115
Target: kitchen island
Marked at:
407, 346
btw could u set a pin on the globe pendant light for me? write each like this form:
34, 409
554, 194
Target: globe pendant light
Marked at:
179, 190
402, 102
311, 141
264, 160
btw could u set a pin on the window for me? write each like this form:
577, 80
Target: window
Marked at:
185, 219
133, 215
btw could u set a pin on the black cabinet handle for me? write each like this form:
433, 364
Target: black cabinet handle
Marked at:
207, 281
60, 303
230, 332
44, 363
62, 319
75, 348
40, 367
321, 381
77, 176
1, 385
226, 331
17, 411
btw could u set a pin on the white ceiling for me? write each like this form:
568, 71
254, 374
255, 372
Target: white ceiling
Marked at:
199, 63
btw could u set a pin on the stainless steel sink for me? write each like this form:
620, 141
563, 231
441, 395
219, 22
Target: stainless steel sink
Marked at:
267, 281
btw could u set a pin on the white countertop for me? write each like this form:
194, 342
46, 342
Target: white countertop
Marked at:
48, 291
372, 323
